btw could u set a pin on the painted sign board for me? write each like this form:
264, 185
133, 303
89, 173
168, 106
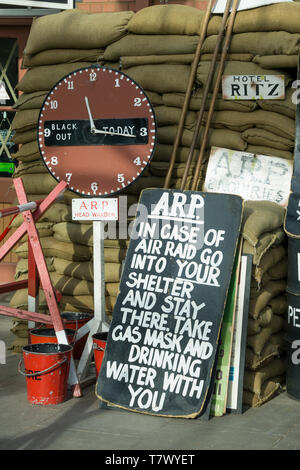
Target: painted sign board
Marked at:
57, 4
95, 209
163, 337
253, 87
253, 177
218, 404
238, 353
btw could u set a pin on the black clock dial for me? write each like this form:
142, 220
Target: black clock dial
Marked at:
108, 132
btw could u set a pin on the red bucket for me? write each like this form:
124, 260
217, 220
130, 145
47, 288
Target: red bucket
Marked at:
48, 335
47, 368
74, 321
99, 344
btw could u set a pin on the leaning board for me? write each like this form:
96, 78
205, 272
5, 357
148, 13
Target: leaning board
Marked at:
163, 337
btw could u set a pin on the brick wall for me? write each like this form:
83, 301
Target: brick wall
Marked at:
133, 5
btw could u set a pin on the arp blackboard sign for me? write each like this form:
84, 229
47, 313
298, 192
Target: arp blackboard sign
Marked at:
57, 4
164, 332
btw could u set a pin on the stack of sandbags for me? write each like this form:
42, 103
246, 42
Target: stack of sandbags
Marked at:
264, 238
157, 53
57, 45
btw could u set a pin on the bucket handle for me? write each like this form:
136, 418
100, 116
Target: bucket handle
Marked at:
98, 348
34, 374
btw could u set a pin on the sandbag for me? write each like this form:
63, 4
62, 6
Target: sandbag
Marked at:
259, 43
270, 121
268, 390
62, 56
76, 29
24, 137
265, 242
270, 259
161, 78
277, 17
32, 100
45, 77
255, 361
264, 319
260, 217
268, 151
276, 61
142, 45
174, 59
25, 120
167, 19
256, 136
279, 304
84, 270
253, 381
177, 100
262, 299
58, 249
216, 138
37, 183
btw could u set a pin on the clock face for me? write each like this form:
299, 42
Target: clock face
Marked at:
96, 131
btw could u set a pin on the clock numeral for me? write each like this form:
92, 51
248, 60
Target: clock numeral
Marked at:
94, 187
70, 85
137, 102
53, 104
143, 131
121, 178
47, 132
93, 76
68, 177
54, 161
117, 83
137, 161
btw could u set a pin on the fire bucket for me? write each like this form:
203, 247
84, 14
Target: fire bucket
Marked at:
48, 335
74, 321
46, 370
99, 344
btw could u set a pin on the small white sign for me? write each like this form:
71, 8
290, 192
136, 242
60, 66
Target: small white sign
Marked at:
245, 4
95, 209
57, 4
253, 87
253, 177
4, 96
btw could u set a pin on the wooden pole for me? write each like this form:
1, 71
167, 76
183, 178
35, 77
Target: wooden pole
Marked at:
187, 97
215, 93
206, 91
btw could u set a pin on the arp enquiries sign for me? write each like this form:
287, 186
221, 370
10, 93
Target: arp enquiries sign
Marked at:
253, 177
57, 4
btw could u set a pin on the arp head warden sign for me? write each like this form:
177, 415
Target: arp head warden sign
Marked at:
163, 337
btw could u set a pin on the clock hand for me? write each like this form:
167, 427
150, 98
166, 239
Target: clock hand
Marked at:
90, 114
97, 131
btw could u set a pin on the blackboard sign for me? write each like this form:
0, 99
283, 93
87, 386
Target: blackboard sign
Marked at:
57, 4
293, 281
292, 218
166, 322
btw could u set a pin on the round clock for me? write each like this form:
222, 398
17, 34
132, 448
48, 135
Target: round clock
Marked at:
96, 131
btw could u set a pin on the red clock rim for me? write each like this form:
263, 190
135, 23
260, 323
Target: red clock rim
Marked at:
154, 120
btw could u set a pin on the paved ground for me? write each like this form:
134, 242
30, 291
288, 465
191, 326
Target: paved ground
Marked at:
80, 423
